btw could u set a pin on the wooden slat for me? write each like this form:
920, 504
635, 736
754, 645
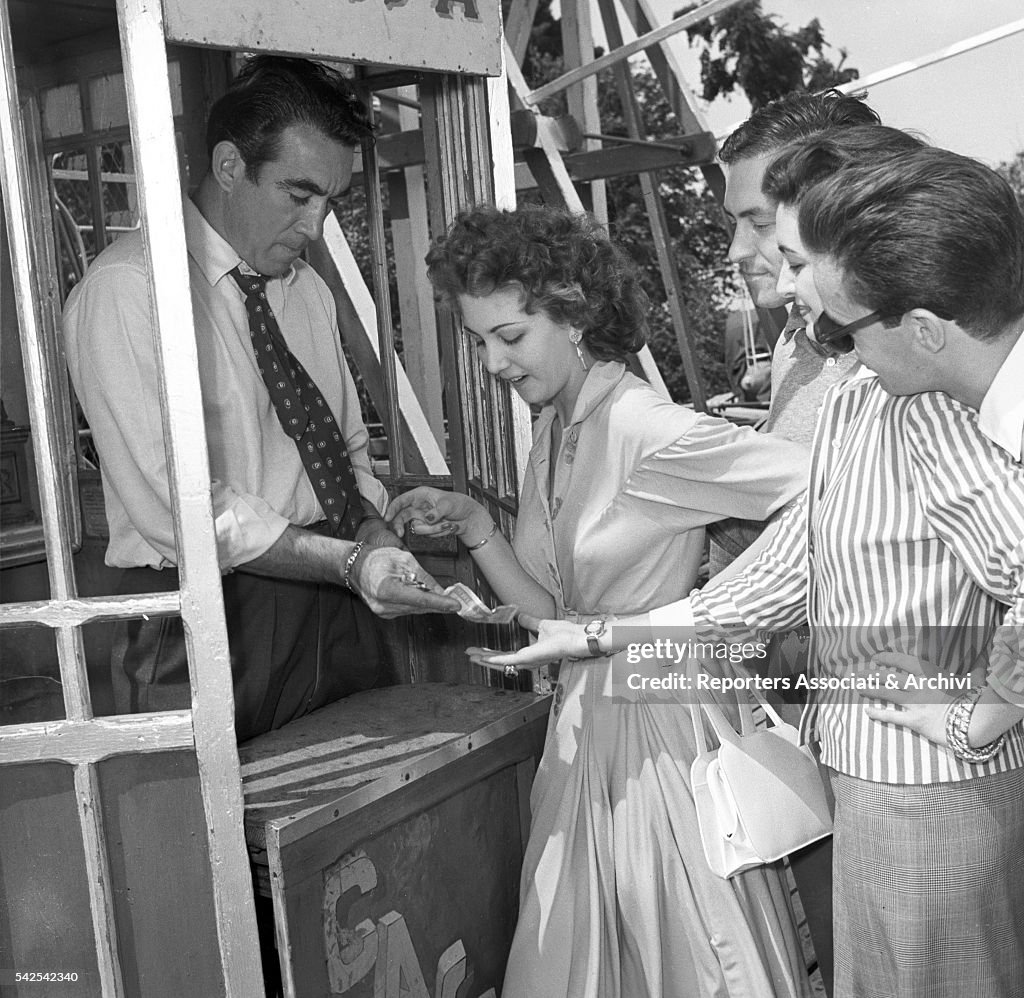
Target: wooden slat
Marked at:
85, 742
578, 49
202, 606
97, 870
623, 52
58, 385
625, 160
405, 150
364, 343
939, 55
75, 612
548, 159
656, 214
382, 296
30, 292
518, 26
520, 421
499, 119
411, 240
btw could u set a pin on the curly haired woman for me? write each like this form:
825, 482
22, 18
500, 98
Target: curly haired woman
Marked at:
616, 897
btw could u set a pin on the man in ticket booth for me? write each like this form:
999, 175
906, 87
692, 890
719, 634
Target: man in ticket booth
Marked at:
307, 561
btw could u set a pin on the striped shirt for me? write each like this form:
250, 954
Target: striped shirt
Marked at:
910, 539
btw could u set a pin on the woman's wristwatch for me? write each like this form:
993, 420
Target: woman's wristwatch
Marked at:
594, 630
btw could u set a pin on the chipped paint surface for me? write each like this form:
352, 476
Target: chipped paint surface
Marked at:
455, 36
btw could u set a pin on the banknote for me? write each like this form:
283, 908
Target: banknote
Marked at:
473, 608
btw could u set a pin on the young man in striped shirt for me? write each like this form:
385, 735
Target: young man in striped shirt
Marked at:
908, 547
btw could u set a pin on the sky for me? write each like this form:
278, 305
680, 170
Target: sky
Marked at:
971, 103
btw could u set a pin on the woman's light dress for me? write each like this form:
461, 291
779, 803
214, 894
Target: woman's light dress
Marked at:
617, 900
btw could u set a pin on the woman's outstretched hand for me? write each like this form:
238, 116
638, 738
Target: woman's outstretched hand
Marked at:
556, 639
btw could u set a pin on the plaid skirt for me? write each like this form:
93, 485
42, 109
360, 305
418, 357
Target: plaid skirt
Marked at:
929, 888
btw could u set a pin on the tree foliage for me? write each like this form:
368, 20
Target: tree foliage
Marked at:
699, 241
1013, 173
697, 230
746, 48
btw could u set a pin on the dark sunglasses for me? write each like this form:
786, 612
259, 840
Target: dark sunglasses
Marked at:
840, 338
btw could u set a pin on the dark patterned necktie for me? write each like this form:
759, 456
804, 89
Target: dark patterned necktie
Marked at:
303, 412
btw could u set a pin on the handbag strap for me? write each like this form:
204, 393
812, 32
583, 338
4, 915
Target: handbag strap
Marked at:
699, 737
703, 705
772, 713
723, 730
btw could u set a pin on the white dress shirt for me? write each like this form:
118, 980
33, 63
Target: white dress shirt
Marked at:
259, 484
1002, 408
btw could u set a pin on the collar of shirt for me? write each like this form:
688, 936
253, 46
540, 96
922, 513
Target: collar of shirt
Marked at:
1001, 417
602, 377
794, 323
214, 255
797, 323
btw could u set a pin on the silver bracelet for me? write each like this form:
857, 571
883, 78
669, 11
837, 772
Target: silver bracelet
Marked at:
346, 579
480, 544
958, 721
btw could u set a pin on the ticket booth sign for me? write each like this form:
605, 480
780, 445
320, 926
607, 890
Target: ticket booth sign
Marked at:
450, 36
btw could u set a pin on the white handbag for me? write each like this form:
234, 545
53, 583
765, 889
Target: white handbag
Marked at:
759, 795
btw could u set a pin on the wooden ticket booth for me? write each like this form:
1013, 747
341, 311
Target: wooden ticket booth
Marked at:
125, 863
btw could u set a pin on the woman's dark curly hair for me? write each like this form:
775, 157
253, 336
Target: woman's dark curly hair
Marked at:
564, 263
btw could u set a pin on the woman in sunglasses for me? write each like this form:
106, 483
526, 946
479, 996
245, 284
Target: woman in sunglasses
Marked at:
786, 180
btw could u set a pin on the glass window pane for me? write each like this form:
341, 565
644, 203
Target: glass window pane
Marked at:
45, 922
62, 111
74, 232
120, 194
30, 687
108, 101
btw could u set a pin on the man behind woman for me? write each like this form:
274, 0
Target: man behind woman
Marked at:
616, 897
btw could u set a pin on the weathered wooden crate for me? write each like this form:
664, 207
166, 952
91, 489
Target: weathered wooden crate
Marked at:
389, 830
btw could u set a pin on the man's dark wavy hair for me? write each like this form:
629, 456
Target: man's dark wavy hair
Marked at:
801, 165
795, 116
926, 228
272, 92
563, 263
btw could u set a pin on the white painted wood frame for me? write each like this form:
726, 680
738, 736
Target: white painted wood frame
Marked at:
81, 739
578, 48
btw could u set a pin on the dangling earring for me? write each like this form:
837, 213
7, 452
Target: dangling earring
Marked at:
575, 337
